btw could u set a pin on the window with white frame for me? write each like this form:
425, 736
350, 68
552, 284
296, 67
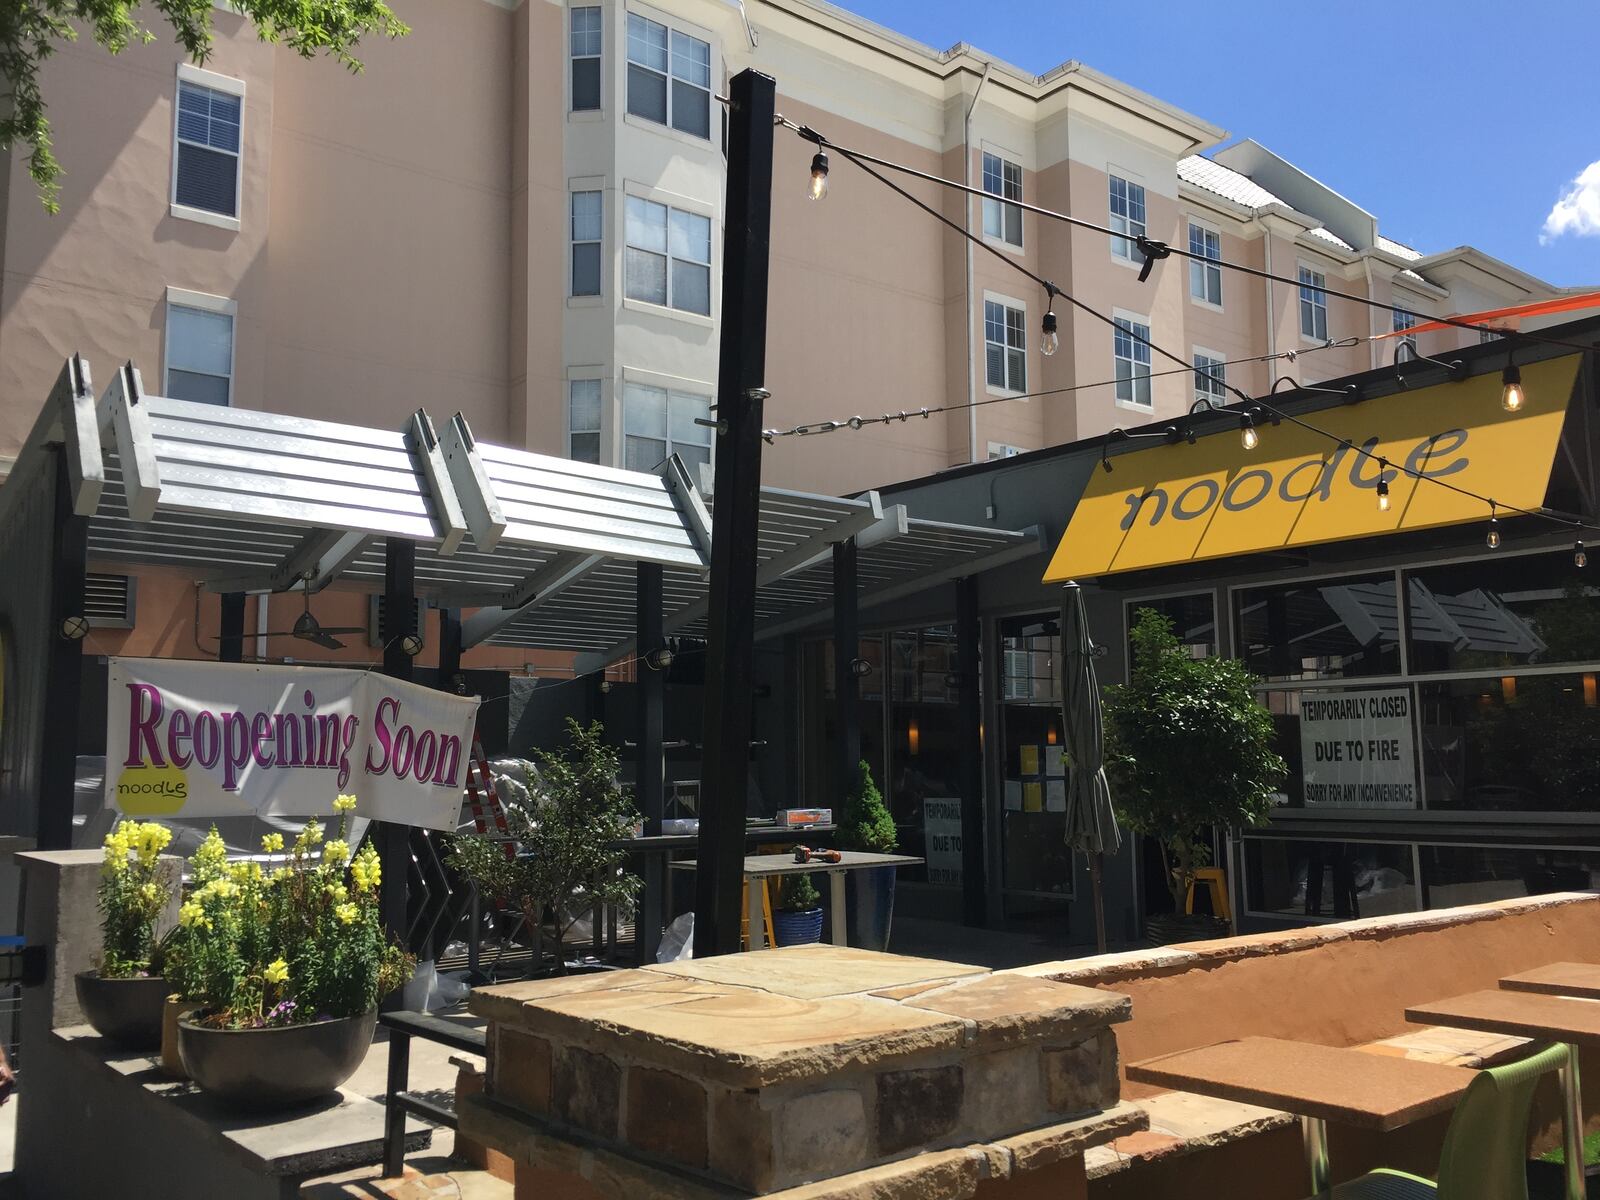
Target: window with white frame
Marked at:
1313, 304
1488, 335
1004, 450
1005, 336
1210, 378
1130, 347
206, 154
1205, 275
1127, 217
668, 257
588, 40
1003, 179
583, 420
669, 77
586, 210
199, 354
658, 421
1404, 320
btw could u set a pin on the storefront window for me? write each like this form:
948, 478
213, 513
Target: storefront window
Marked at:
1323, 629
1351, 748
924, 791
1512, 743
1343, 880
1497, 612
1194, 621
1037, 863
1453, 875
822, 788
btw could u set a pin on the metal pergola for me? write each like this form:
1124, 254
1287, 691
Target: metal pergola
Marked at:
539, 552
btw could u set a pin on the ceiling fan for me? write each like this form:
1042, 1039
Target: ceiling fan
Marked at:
308, 629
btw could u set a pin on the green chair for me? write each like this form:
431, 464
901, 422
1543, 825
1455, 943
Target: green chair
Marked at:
1485, 1151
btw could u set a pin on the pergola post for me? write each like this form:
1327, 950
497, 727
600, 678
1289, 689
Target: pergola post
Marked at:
230, 642
398, 625
64, 667
449, 648
846, 653
649, 773
969, 725
792, 733
736, 515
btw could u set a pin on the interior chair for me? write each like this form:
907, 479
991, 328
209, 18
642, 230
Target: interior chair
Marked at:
1485, 1151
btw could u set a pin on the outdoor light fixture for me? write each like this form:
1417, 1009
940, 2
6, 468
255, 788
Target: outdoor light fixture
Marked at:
74, 629
1511, 394
1248, 437
817, 189
1580, 557
1492, 538
1050, 342
605, 687
658, 659
860, 667
411, 645
1383, 485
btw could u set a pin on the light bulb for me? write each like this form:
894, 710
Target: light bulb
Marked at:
1383, 494
1580, 558
1511, 396
817, 189
1051, 341
1492, 539
1248, 437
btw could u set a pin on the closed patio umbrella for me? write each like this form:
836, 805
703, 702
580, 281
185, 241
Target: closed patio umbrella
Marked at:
1091, 821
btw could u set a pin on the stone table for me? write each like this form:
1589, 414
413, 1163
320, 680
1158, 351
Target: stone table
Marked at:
832, 1071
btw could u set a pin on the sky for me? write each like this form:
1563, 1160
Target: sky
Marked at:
1457, 122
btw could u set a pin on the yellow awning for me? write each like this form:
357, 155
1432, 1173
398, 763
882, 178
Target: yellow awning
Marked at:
1179, 503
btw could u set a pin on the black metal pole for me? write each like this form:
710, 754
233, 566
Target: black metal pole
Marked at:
64, 671
230, 644
969, 719
794, 794
649, 773
846, 684
730, 642
398, 624
449, 648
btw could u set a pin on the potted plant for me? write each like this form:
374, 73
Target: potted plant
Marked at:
285, 964
565, 854
1189, 746
123, 998
797, 916
869, 892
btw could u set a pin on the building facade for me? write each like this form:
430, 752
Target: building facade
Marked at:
515, 212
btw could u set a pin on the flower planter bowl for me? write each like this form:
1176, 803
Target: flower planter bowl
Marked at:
275, 1068
124, 1011
797, 928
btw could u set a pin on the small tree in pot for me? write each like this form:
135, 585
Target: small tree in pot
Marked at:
797, 916
567, 857
868, 826
1189, 747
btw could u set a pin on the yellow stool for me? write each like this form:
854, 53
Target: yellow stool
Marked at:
1215, 881
744, 911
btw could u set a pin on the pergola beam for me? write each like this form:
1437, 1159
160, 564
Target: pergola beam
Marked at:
690, 503
123, 414
544, 584
448, 517
480, 507
316, 560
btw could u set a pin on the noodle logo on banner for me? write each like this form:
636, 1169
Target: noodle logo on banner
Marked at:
205, 739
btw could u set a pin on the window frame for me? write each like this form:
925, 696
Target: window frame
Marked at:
1316, 302
573, 242
710, 264
1210, 269
199, 77
1219, 397
1123, 248
673, 31
1143, 322
1008, 305
575, 377
670, 387
999, 201
573, 57
201, 302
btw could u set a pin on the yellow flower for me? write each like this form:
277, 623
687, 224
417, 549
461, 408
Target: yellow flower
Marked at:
151, 839
222, 889
344, 804
277, 972
336, 853
309, 837
271, 843
282, 873
366, 872
347, 913
152, 893
339, 892
191, 914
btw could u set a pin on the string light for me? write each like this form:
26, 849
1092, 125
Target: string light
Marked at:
1492, 538
1249, 438
1050, 342
1580, 558
817, 189
1511, 394
1383, 485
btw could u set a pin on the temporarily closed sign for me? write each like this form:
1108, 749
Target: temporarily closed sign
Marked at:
1358, 749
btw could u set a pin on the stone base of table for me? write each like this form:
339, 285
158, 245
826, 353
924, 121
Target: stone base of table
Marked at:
97, 1121
769, 1071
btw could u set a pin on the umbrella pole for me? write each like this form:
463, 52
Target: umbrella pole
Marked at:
1095, 887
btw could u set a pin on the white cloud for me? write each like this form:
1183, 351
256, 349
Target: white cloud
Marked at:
1578, 210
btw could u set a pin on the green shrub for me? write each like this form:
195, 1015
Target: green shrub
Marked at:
798, 893
866, 823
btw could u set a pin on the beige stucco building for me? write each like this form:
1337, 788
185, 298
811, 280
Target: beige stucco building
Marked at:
515, 212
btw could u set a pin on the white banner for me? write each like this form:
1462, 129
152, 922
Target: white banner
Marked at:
1357, 749
941, 826
206, 739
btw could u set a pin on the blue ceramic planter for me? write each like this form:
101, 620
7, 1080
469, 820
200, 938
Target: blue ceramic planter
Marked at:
797, 928
869, 906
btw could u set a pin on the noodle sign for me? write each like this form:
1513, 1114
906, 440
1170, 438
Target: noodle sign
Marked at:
1357, 749
202, 739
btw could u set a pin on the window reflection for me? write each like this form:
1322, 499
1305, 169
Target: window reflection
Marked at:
1194, 621
1342, 880
1325, 629
1455, 875
1037, 866
925, 750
